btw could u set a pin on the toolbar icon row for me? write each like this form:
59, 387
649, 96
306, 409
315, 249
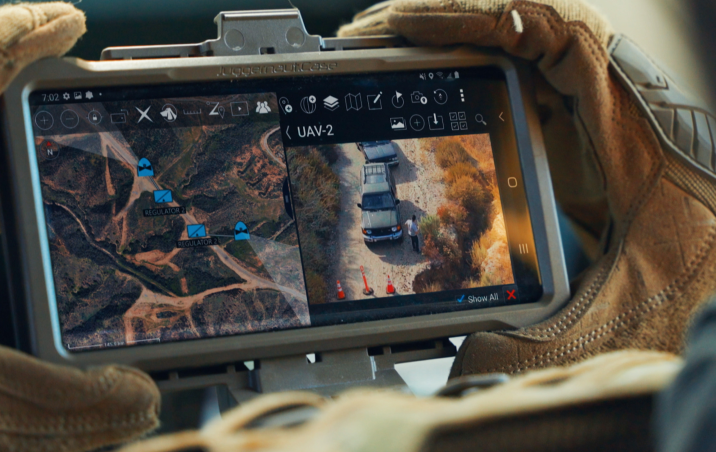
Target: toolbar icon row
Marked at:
70, 119
77, 95
417, 123
355, 101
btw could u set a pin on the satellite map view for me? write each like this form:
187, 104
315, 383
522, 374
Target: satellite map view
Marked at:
164, 234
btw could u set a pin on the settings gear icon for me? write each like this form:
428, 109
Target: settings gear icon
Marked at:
66, 96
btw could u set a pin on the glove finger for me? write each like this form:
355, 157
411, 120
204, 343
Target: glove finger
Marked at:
370, 22
63, 408
29, 32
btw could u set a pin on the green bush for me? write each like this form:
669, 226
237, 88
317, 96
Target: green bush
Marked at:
430, 227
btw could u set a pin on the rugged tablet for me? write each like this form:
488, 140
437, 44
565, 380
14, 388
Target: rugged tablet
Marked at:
272, 193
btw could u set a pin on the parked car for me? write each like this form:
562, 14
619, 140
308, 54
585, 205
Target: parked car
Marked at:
380, 219
379, 152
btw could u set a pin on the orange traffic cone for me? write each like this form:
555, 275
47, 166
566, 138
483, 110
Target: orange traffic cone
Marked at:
390, 289
341, 294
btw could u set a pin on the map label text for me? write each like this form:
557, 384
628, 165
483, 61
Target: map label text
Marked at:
209, 241
179, 210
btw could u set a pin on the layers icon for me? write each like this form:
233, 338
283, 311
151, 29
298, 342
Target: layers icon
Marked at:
330, 103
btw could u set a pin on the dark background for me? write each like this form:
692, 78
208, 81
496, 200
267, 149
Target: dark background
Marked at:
147, 22
704, 13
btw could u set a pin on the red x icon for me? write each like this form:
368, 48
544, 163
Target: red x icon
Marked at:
511, 294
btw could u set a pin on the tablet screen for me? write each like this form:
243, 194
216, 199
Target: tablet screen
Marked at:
184, 212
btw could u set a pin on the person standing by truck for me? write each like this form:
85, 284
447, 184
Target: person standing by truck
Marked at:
412, 227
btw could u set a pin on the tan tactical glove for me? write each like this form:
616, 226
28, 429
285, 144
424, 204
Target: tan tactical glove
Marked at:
627, 151
45, 407
601, 404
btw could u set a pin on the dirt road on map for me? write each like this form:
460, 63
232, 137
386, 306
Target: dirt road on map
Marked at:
420, 190
143, 307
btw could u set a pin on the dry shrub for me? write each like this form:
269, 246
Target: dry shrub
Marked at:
449, 153
316, 286
456, 216
479, 147
316, 189
461, 169
471, 283
470, 195
478, 253
431, 250
490, 279
433, 287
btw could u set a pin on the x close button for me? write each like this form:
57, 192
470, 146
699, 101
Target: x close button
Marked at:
511, 294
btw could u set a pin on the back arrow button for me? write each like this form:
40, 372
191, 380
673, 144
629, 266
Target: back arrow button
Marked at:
289, 136
502, 113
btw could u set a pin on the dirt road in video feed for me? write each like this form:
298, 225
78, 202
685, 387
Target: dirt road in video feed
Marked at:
420, 190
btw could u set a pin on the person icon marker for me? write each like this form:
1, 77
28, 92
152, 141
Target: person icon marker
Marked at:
241, 232
144, 168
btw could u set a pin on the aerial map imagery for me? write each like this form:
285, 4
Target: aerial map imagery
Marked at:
172, 233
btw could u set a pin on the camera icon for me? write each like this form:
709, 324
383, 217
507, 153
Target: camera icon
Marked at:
417, 97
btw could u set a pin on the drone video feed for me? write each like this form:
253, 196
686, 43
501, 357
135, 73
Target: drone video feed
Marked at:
399, 217
164, 234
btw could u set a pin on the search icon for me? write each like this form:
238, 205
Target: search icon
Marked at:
480, 119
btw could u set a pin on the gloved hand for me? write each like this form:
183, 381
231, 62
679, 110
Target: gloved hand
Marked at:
600, 404
631, 161
42, 406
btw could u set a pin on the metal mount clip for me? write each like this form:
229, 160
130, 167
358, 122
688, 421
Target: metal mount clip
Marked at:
240, 33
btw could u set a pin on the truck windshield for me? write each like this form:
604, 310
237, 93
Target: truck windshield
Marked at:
378, 201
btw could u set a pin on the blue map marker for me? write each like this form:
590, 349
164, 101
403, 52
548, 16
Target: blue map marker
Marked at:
162, 196
195, 230
241, 232
144, 168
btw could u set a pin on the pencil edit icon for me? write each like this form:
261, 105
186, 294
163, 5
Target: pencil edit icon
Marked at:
375, 102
